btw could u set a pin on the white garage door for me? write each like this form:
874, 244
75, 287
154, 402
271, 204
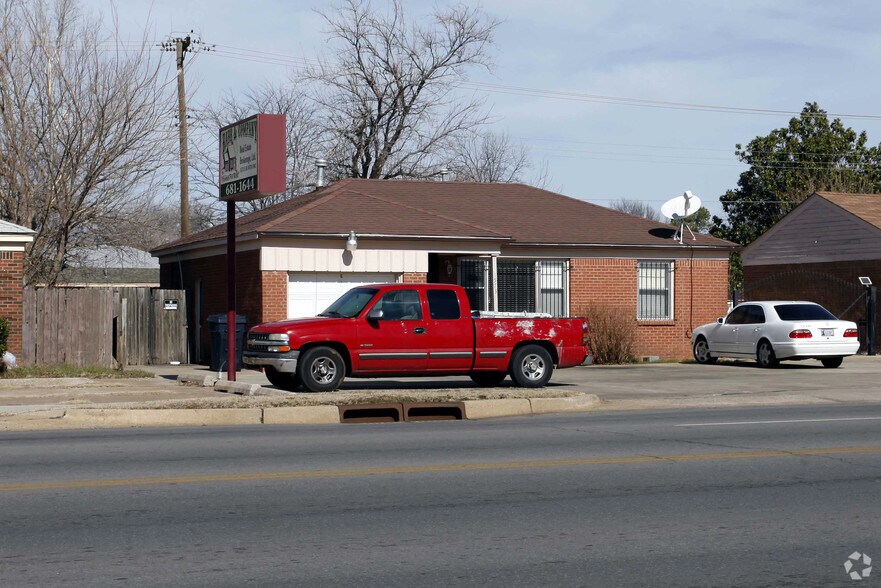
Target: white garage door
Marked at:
310, 293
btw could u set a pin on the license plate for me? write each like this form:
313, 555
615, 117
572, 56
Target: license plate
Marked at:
827, 332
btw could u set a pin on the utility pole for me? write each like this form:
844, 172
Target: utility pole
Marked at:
181, 46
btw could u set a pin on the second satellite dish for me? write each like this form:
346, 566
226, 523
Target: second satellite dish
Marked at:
680, 208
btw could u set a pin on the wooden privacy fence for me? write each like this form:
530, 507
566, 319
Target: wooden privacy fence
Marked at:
107, 327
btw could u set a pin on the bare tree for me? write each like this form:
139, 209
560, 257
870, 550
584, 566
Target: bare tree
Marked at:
636, 208
84, 130
386, 97
489, 157
303, 143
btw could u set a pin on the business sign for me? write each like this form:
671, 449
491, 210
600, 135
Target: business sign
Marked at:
252, 158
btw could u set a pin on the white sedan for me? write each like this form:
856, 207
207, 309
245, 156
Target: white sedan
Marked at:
772, 331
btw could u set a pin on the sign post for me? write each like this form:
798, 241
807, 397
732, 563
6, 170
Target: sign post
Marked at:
252, 165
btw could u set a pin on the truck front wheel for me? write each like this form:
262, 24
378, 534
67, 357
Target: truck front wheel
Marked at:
321, 369
531, 366
281, 380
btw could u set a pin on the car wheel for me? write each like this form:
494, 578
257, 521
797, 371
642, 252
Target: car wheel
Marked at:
832, 362
701, 351
321, 369
282, 380
765, 355
531, 366
488, 379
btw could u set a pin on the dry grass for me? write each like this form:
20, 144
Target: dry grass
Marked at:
69, 371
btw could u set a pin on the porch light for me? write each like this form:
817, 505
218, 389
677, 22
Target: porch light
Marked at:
352, 241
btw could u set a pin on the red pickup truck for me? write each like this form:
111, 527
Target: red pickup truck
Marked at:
412, 330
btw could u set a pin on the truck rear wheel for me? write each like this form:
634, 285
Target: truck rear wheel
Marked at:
531, 366
282, 380
321, 369
488, 379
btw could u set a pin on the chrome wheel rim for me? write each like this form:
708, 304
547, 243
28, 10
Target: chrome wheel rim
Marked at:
323, 370
765, 354
702, 351
533, 367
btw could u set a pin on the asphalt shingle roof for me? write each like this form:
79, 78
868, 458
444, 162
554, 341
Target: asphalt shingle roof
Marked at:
864, 206
10, 228
513, 212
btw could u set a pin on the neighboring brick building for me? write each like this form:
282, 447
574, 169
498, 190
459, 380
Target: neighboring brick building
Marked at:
13, 241
513, 247
818, 252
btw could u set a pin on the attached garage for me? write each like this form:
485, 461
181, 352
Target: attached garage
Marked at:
311, 292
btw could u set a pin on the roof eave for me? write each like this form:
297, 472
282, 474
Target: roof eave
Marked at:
387, 236
216, 242
676, 245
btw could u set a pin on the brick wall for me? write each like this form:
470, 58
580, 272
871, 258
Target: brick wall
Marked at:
699, 296
11, 284
415, 278
834, 285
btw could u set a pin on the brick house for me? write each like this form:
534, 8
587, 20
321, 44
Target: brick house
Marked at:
513, 247
818, 252
13, 242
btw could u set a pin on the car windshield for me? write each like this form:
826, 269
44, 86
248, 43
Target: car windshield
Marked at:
803, 312
351, 303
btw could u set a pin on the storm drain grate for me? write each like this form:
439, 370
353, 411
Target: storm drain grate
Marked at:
407, 411
371, 413
433, 411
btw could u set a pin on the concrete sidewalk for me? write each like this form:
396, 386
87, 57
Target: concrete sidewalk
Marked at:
162, 400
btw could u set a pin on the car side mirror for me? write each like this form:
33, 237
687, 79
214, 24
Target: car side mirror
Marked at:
375, 314
721, 320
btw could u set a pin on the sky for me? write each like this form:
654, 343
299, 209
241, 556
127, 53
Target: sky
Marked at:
743, 55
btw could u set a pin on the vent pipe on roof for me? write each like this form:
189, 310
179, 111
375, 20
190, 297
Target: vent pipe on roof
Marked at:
320, 164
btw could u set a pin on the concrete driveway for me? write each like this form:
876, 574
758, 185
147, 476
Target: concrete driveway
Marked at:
727, 383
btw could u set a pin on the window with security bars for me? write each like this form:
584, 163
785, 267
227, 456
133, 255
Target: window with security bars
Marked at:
524, 285
654, 290
474, 277
516, 285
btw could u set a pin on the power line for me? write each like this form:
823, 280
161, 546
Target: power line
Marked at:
299, 62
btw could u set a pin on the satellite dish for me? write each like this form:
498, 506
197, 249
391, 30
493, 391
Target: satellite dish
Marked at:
679, 208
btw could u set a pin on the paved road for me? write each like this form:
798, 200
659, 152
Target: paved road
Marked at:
746, 497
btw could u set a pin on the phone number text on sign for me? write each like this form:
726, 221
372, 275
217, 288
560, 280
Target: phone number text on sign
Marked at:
239, 186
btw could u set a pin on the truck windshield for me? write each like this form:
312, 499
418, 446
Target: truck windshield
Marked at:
351, 303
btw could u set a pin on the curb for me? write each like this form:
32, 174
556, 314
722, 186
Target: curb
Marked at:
101, 418
196, 380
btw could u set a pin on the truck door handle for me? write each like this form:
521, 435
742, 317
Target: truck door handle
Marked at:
419, 330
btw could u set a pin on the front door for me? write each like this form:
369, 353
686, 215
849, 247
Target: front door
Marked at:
395, 342
724, 339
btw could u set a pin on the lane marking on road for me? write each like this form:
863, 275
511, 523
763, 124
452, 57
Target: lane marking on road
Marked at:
733, 423
465, 467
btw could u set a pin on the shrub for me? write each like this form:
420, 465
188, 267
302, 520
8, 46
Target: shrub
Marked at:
4, 338
611, 335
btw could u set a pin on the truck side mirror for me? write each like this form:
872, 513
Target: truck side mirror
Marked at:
375, 314
721, 320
